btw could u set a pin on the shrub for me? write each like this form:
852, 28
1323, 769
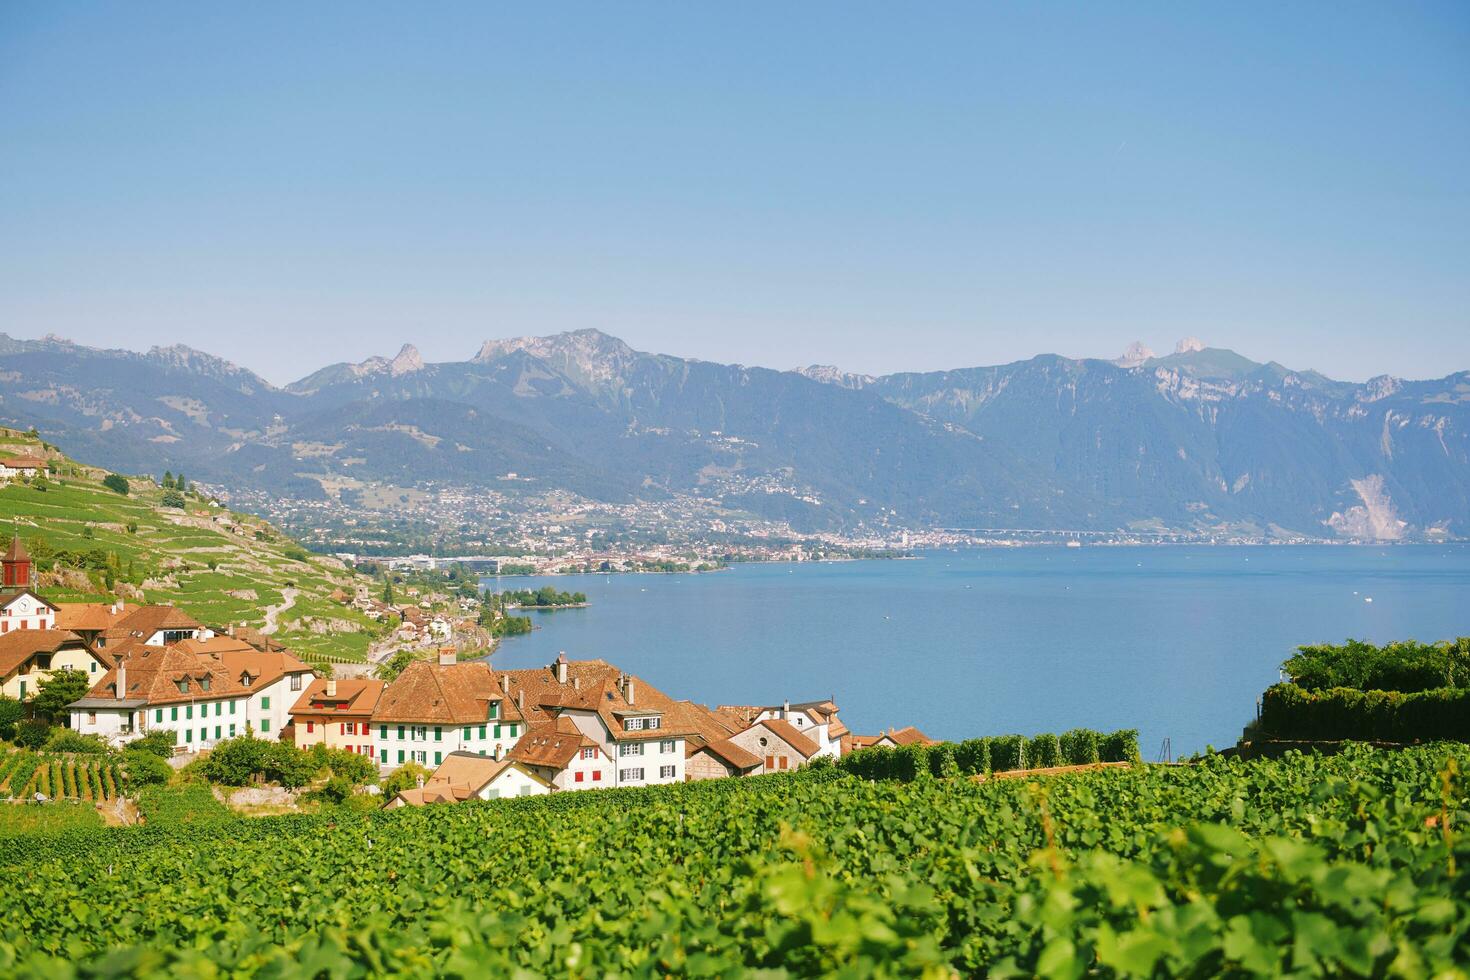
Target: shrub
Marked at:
1289, 711
973, 756
1080, 747
1120, 746
32, 734
141, 768
1407, 666
11, 712
405, 777
942, 764
1043, 751
66, 740
1007, 752
359, 769
159, 742
172, 498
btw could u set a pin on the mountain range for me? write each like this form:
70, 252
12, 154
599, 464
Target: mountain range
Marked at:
1200, 439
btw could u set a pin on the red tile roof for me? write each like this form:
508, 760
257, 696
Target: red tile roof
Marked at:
553, 744
18, 646
454, 694
732, 754
358, 696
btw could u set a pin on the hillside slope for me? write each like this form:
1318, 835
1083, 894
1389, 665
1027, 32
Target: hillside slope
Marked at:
221, 567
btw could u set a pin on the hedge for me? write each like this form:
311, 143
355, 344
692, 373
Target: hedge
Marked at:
1289, 711
977, 756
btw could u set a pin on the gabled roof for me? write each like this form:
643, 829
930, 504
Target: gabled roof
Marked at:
706, 726
360, 695
17, 550
22, 462
594, 685
909, 736
144, 621
155, 673
732, 754
455, 694
18, 646
9, 597
553, 744
88, 616
789, 734
461, 776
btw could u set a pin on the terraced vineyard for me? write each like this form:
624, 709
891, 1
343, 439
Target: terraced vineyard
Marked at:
1352, 864
77, 777
220, 566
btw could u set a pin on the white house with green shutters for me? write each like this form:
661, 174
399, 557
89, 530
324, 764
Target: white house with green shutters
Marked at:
432, 710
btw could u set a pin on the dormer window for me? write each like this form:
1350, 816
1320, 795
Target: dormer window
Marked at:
204, 682
183, 684
245, 680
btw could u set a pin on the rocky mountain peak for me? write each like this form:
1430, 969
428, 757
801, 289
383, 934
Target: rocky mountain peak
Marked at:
1189, 345
832, 375
407, 361
1135, 355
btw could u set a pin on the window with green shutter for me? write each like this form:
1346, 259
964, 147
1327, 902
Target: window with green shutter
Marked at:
497, 731
438, 758
173, 713
482, 731
218, 731
219, 708
188, 711
232, 707
158, 714
467, 733
513, 730
188, 734
265, 704
400, 738
383, 756
203, 734
400, 756
438, 734
232, 730
265, 724
383, 733
494, 710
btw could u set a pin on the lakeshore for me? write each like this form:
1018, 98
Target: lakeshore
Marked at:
1176, 640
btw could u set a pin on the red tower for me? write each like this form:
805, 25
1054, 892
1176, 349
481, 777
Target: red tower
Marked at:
17, 566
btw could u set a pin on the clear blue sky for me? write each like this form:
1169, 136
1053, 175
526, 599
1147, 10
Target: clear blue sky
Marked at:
884, 187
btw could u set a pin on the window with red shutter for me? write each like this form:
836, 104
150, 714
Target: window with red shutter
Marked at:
577, 778
597, 777
770, 762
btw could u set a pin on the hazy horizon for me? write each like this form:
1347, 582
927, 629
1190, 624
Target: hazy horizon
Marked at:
882, 189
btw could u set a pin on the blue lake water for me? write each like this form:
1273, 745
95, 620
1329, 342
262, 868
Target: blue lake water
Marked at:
1177, 642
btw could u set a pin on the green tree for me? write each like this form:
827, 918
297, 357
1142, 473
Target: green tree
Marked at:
168, 479
11, 712
116, 483
59, 690
172, 498
159, 742
388, 590
145, 769
406, 776
395, 665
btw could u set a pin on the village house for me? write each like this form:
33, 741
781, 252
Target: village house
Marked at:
337, 714
435, 708
721, 760
631, 721
561, 754
201, 691
25, 610
468, 776
22, 465
893, 738
778, 744
817, 720
28, 658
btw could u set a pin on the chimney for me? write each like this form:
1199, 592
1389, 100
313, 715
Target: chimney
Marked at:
420, 780
122, 678
561, 667
786, 709
499, 750
505, 683
331, 687
628, 689
447, 657
521, 701
576, 683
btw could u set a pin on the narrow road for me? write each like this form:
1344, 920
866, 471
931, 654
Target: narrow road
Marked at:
288, 599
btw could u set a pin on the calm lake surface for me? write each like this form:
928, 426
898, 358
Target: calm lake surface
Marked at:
1177, 642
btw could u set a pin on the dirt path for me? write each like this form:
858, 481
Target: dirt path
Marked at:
288, 599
